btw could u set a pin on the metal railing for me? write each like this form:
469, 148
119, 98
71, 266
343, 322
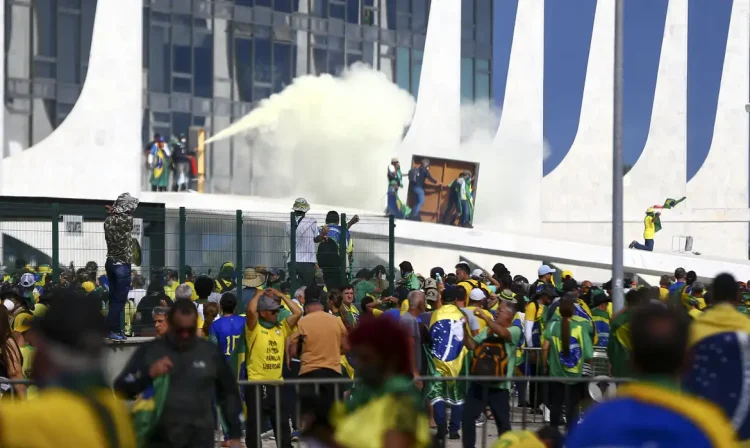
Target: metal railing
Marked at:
288, 390
68, 233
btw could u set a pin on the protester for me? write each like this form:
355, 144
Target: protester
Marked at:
619, 344
567, 346
494, 354
651, 225
717, 342
447, 328
653, 411
410, 321
11, 355
385, 409
74, 407
319, 342
266, 337
417, 177
307, 234
161, 326
117, 232
196, 372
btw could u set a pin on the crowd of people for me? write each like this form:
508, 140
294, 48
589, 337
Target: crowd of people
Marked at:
430, 358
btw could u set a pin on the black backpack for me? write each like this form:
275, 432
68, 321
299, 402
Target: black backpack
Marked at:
490, 358
413, 174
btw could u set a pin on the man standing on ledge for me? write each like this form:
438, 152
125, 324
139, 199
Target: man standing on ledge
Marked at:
117, 232
308, 233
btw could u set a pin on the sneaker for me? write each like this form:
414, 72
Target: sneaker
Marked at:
116, 337
268, 435
454, 436
481, 420
296, 435
632, 245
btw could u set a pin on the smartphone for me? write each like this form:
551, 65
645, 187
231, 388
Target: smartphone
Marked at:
438, 278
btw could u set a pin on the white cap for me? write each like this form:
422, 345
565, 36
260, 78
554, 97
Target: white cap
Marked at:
477, 273
476, 295
544, 270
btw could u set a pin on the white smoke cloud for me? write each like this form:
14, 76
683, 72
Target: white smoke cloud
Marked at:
328, 139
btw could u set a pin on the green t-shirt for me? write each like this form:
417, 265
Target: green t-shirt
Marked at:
283, 314
361, 289
510, 350
618, 347
581, 348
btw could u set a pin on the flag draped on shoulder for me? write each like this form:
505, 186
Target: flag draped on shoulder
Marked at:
447, 332
148, 407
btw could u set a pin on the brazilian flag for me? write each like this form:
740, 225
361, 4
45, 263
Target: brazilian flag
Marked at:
148, 407
670, 203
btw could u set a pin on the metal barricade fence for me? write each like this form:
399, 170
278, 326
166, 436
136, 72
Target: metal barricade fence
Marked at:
283, 415
51, 238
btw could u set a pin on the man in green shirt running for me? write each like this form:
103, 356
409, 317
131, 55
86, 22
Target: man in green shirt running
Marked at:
497, 340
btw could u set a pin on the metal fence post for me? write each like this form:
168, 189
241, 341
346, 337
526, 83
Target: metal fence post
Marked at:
239, 246
182, 255
342, 250
293, 252
55, 241
391, 253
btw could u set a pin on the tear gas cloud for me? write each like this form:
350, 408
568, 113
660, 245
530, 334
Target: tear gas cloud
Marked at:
328, 139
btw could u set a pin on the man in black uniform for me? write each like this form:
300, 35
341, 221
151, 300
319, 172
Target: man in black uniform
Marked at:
196, 369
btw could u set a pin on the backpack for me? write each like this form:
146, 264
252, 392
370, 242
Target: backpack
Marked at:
413, 175
490, 358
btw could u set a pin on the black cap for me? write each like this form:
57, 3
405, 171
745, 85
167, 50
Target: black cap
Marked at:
405, 266
545, 290
499, 269
569, 285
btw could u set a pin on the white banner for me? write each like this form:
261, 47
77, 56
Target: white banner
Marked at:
137, 232
73, 225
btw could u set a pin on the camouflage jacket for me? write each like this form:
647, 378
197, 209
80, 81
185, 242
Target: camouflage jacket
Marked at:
117, 228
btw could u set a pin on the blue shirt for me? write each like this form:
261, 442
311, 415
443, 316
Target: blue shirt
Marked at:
334, 234
226, 332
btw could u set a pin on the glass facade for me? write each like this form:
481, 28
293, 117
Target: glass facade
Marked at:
208, 63
476, 50
47, 46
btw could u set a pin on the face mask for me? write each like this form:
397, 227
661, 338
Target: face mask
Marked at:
9, 305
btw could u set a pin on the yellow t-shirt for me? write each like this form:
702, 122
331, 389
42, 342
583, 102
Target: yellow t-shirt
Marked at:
265, 347
169, 290
376, 312
518, 439
650, 228
468, 285
61, 419
193, 296
27, 352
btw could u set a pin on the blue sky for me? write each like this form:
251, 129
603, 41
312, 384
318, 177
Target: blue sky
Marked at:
568, 27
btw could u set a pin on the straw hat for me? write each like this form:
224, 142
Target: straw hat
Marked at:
251, 278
